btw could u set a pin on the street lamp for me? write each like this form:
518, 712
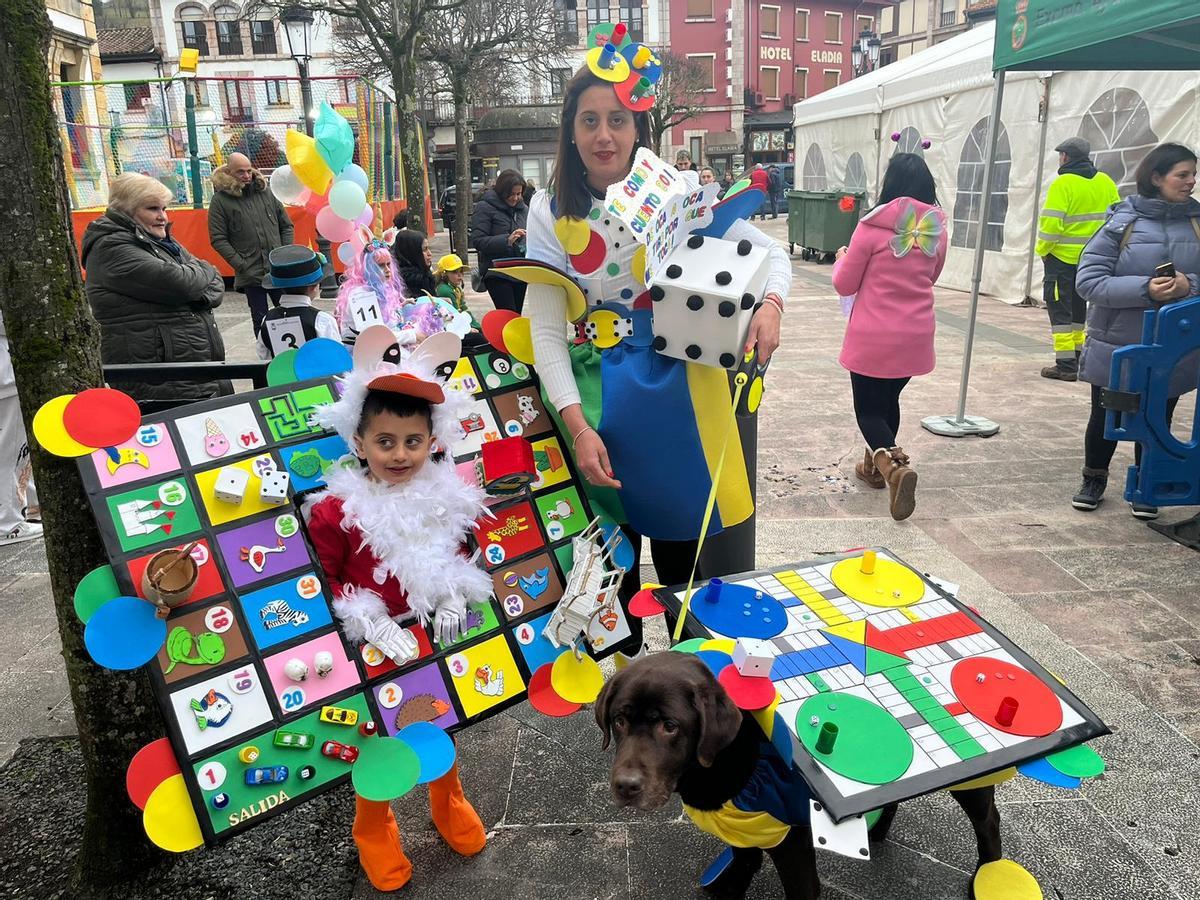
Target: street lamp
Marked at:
864, 55
297, 25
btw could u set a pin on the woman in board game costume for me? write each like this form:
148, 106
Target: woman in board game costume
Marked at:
645, 429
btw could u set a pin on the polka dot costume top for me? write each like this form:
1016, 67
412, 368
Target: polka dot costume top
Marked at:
609, 265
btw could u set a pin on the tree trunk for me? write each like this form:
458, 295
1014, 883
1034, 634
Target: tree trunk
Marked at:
408, 138
55, 350
462, 168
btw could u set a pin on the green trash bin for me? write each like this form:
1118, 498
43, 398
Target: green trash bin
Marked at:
829, 218
795, 214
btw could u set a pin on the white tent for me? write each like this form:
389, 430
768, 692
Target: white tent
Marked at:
944, 95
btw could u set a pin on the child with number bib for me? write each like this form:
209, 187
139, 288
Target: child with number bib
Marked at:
372, 292
390, 539
297, 271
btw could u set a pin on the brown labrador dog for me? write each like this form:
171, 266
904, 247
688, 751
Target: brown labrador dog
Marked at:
677, 731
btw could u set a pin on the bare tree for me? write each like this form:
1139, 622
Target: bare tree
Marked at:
391, 32
56, 350
488, 53
679, 95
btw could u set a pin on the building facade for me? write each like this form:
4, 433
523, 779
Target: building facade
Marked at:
74, 66
758, 59
912, 25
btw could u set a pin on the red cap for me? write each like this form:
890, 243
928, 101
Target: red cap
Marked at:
403, 383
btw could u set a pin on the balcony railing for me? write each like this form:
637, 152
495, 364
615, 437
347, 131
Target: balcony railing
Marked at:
949, 18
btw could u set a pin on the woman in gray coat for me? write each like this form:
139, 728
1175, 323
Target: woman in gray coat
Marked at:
1124, 271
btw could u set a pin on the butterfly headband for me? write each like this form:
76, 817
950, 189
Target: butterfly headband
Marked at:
380, 365
633, 69
925, 144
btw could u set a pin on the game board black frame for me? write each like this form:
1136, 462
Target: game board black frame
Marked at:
842, 807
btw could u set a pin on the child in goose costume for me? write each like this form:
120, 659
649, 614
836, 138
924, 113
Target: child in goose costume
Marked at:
390, 539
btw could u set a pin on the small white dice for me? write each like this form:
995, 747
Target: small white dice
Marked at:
753, 657
230, 485
274, 488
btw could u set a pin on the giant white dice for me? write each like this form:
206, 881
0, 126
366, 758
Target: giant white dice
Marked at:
274, 489
705, 294
230, 485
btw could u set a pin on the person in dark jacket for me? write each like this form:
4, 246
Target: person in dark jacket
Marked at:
152, 298
245, 223
414, 261
498, 232
1121, 275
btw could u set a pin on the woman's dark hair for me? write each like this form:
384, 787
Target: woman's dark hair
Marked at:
407, 248
506, 181
400, 219
1159, 161
401, 405
908, 176
567, 182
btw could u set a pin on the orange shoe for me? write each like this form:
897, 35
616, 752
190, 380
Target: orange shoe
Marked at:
455, 818
379, 848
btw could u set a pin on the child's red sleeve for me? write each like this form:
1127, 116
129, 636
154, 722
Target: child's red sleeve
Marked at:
330, 542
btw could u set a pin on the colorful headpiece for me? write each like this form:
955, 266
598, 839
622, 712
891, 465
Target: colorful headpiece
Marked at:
633, 68
380, 365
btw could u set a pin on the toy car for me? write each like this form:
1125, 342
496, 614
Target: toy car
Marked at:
267, 775
334, 750
294, 739
335, 715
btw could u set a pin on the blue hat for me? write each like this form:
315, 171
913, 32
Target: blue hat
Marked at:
294, 266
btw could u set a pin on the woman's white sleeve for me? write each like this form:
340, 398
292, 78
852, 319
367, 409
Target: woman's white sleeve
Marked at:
779, 278
546, 308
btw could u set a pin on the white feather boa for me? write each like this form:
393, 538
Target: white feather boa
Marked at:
415, 530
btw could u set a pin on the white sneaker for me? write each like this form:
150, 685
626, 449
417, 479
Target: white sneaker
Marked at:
25, 531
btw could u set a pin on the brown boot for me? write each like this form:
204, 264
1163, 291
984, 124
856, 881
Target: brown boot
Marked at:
866, 471
892, 464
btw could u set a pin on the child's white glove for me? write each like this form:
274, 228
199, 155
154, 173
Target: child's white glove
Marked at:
397, 643
447, 624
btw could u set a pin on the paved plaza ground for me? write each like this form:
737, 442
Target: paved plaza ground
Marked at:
1099, 598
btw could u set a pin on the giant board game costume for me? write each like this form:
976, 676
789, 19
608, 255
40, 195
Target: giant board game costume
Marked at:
394, 554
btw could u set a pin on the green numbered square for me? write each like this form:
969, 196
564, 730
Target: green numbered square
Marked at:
293, 414
153, 515
481, 618
562, 514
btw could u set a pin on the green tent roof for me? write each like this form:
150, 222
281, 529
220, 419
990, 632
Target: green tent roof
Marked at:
1097, 35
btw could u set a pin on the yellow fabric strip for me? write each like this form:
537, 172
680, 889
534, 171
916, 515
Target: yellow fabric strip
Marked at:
709, 388
739, 828
730, 430
1064, 342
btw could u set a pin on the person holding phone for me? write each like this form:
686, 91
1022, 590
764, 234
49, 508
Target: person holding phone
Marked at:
1146, 256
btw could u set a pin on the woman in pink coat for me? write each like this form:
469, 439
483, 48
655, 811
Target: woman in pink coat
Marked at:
895, 256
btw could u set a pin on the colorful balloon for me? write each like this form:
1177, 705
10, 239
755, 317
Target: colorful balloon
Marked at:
347, 200
357, 174
334, 139
346, 253
367, 217
306, 162
286, 186
333, 227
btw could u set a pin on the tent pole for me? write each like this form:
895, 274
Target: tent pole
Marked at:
1044, 114
961, 425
